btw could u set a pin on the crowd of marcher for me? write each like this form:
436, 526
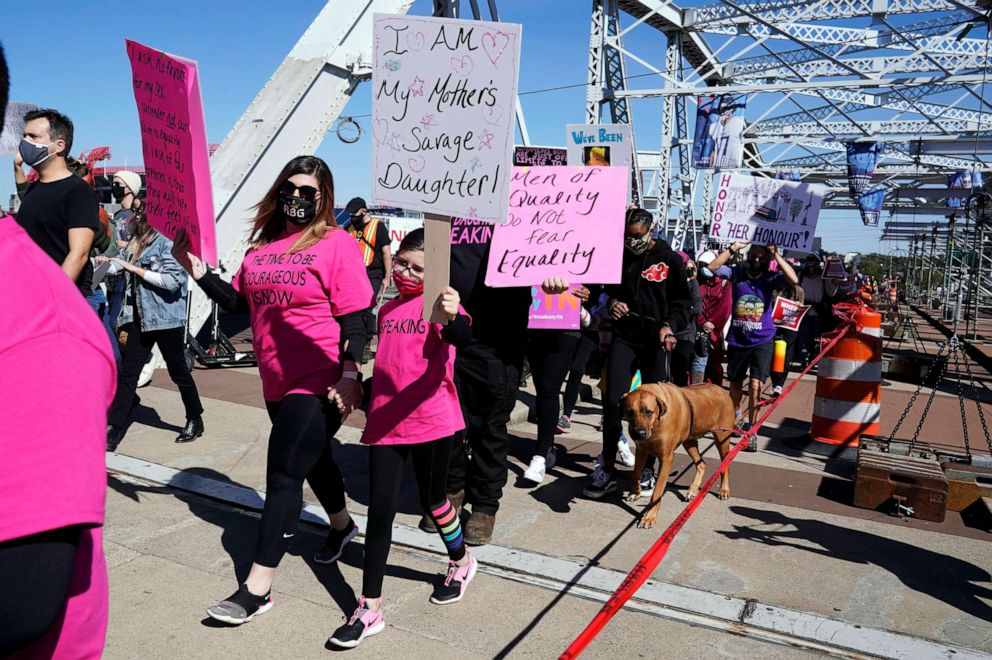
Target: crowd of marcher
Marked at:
441, 394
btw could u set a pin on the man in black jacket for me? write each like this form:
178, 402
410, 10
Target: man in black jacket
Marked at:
650, 306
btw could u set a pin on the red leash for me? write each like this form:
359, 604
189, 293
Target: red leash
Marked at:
649, 562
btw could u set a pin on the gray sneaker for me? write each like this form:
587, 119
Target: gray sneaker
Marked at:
240, 607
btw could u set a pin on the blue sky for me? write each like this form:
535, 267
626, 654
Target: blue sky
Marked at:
74, 60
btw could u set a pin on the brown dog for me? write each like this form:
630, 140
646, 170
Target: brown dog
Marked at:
660, 417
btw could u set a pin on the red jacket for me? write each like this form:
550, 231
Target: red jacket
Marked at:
717, 301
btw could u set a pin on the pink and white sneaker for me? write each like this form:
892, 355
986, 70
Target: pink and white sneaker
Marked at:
455, 582
363, 623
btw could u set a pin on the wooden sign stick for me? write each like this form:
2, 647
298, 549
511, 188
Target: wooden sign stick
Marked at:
437, 259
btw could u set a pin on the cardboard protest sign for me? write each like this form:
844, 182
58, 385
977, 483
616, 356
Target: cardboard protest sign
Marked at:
539, 156
553, 312
766, 211
601, 145
13, 126
788, 314
443, 99
563, 222
174, 146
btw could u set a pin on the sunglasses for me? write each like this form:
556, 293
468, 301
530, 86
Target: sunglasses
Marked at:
288, 189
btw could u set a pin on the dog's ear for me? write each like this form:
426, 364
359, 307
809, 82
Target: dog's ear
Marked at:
662, 408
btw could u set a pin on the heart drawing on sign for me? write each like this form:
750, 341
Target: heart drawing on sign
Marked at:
462, 65
416, 163
380, 130
415, 40
492, 114
494, 43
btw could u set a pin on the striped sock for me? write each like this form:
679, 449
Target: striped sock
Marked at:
448, 526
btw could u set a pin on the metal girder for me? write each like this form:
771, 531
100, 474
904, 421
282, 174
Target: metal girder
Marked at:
878, 129
868, 65
790, 11
608, 75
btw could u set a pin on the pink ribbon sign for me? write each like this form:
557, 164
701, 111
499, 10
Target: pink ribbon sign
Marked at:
563, 222
174, 144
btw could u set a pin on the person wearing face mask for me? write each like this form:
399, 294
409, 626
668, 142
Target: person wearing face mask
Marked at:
125, 189
716, 302
817, 293
752, 334
373, 239
304, 284
650, 306
59, 212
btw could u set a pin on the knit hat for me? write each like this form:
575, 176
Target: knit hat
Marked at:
130, 179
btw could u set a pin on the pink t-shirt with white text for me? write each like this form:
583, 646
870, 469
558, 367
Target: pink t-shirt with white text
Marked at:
413, 387
57, 379
294, 299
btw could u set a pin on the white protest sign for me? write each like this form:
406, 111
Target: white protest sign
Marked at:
600, 145
443, 99
399, 227
766, 211
13, 126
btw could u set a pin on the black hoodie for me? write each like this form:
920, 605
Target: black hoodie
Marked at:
654, 287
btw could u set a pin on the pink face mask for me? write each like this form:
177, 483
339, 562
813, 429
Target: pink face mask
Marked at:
407, 286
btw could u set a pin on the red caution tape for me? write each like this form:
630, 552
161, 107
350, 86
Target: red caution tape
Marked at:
649, 562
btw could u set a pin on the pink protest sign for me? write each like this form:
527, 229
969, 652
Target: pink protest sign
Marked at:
554, 312
563, 222
174, 144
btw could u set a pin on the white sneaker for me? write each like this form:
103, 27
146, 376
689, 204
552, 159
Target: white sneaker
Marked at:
146, 373
535, 471
648, 481
624, 455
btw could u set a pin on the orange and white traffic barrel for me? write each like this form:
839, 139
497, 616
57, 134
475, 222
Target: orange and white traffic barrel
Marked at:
893, 295
849, 384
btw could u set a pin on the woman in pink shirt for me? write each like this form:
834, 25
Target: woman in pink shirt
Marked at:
413, 414
304, 283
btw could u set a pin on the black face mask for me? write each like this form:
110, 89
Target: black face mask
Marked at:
756, 266
297, 210
118, 192
358, 219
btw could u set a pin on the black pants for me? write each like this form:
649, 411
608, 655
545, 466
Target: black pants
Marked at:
299, 448
487, 387
681, 361
386, 465
549, 353
375, 279
790, 347
136, 351
624, 358
580, 358
809, 335
36, 572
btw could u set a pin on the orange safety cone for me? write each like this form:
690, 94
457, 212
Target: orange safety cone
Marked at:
849, 385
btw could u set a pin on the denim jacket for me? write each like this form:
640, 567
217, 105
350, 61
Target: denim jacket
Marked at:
161, 308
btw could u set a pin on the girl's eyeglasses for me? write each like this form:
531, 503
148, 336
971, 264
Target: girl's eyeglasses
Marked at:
400, 265
288, 189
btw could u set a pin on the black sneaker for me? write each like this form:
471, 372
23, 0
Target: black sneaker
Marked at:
363, 623
335, 543
240, 607
602, 484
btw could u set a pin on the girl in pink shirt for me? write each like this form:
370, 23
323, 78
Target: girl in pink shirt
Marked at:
413, 413
304, 282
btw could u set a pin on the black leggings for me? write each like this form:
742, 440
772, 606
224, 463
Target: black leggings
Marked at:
299, 448
35, 572
386, 465
580, 358
623, 360
549, 353
136, 351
